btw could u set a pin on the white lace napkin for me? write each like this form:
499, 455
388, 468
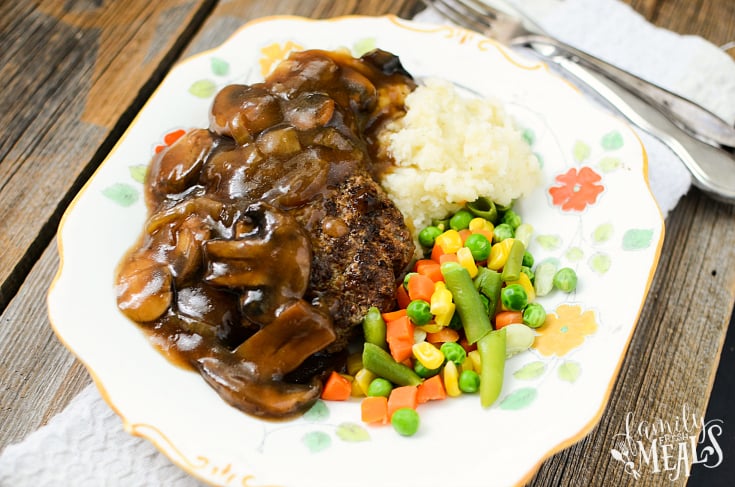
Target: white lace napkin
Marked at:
85, 444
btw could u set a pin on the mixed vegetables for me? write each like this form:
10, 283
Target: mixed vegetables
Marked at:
464, 308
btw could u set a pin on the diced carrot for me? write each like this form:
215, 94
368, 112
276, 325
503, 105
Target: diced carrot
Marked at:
432, 389
464, 234
399, 335
505, 318
374, 409
436, 252
393, 315
402, 397
448, 258
430, 269
466, 345
446, 334
402, 296
336, 388
420, 287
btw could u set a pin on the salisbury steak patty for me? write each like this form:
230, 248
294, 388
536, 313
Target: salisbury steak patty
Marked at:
268, 238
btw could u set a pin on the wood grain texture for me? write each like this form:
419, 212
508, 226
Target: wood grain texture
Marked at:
74, 73
673, 353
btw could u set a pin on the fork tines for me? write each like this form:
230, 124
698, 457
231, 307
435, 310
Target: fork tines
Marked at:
469, 13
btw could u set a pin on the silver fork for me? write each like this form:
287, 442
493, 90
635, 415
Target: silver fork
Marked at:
711, 164
512, 27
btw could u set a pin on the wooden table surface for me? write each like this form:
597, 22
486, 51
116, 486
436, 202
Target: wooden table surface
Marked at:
76, 72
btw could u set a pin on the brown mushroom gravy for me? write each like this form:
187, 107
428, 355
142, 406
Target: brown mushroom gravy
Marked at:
268, 237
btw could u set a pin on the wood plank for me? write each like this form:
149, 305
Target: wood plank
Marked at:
74, 74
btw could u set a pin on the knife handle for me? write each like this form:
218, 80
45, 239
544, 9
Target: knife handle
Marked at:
687, 115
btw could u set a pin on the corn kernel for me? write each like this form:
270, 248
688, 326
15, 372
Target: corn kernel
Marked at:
429, 356
525, 282
480, 224
467, 365
356, 390
451, 379
441, 299
430, 328
363, 378
354, 363
464, 256
444, 319
499, 254
474, 355
449, 241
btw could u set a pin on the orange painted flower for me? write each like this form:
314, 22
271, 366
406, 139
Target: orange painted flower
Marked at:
565, 330
169, 139
578, 189
275, 53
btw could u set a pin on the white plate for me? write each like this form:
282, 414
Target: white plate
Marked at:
594, 212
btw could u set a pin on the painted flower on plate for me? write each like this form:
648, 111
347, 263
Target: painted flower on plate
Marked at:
564, 330
275, 53
169, 139
578, 189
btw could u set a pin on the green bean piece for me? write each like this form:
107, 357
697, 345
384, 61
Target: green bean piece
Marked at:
484, 208
512, 218
374, 329
475, 320
565, 279
380, 363
492, 365
524, 233
428, 235
460, 220
503, 208
512, 267
440, 223
489, 283
501, 232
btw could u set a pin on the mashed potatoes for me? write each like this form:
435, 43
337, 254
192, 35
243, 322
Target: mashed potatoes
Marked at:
450, 150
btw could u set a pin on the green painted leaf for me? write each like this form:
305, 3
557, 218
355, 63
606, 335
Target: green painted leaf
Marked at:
602, 233
519, 399
581, 151
529, 136
637, 238
600, 263
121, 193
575, 254
569, 371
612, 140
203, 88
219, 66
609, 164
318, 412
138, 172
316, 441
530, 371
363, 45
352, 432
540, 159
549, 242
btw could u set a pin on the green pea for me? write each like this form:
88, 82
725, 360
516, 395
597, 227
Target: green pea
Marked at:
454, 352
419, 311
405, 421
479, 246
512, 218
379, 387
527, 271
428, 235
501, 232
565, 279
514, 297
534, 315
528, 259
460, 220
424, 372
469, 381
